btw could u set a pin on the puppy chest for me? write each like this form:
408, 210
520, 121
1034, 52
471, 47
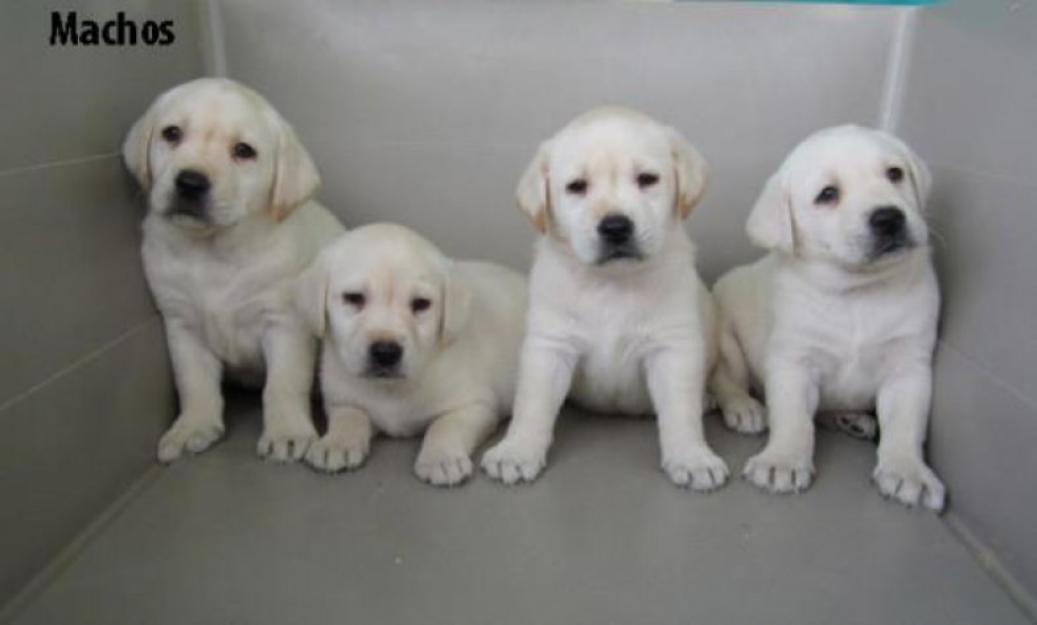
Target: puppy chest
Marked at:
610, 373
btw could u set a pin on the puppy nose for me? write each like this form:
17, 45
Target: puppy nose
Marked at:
192, 184
385, 353
886, 221
616, 229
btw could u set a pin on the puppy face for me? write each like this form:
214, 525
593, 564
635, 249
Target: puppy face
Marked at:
211, 152
848, 195
385, 301
611, 185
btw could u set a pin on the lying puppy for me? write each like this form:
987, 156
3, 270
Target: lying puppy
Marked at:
229, 227
618, 318
840, 316
412, 340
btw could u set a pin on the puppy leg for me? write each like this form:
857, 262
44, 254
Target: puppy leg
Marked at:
287, 426
730, 386
197, 372
903, 410
346, 443
676, 378
545, 374
786, 463
445, 458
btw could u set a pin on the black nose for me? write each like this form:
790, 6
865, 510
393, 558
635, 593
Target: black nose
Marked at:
385, 353
887, 221
192, 184
616, 229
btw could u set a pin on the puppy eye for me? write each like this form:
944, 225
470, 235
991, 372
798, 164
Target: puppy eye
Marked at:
172, 134
647, 179
828, 195
895, 174
577, 187
244, 151
420, 304
354, 299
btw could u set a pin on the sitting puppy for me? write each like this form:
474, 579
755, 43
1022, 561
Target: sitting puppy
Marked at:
618, 318
229, 228
840, 316
411, 340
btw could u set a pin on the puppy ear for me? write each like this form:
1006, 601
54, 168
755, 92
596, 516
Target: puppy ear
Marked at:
295, 176
690, 172
457, 304
921, 179
533, 193
311, 298
136, 147
770, 221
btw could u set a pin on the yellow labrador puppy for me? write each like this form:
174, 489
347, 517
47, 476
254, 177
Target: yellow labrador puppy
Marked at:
230, 225
840, 316
412, 342
618, 318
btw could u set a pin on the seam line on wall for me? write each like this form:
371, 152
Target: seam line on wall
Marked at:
990, 561
979, 367
59, 163
214, 50
78, 363
896, 71
68, 554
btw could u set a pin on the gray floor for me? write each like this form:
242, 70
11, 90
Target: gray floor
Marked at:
601, 538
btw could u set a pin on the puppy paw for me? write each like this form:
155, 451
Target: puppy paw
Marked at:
908, 480
780, 471
335, 453
443, 467
857, 424
698, 469
193, 435
285, 444
511, 461
745, 415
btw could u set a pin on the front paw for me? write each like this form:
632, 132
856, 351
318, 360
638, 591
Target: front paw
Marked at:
512, 461
443, 467
335, 453
285, 444
745, 415
698, 469
190, 434
780, 471
908, 480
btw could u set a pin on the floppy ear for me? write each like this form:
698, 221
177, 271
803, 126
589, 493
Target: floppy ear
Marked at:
534, 196
311, 297
136, 147
690, 172
921, 179
770, 221
457, 303
295, 176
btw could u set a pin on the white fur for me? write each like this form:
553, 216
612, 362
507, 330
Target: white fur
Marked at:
624, 335
460, 355
224, 283
821, 324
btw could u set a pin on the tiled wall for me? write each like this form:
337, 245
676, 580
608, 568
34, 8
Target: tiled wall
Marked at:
969, 108
84, 383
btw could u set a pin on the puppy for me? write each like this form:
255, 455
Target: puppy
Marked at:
229, 228
840, 316
412, 342
618, 319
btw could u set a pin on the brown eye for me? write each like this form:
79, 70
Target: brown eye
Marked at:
420, 304
647, 179
577, 187
895, 174
172, 134
354, 299
244, 151
828, 195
